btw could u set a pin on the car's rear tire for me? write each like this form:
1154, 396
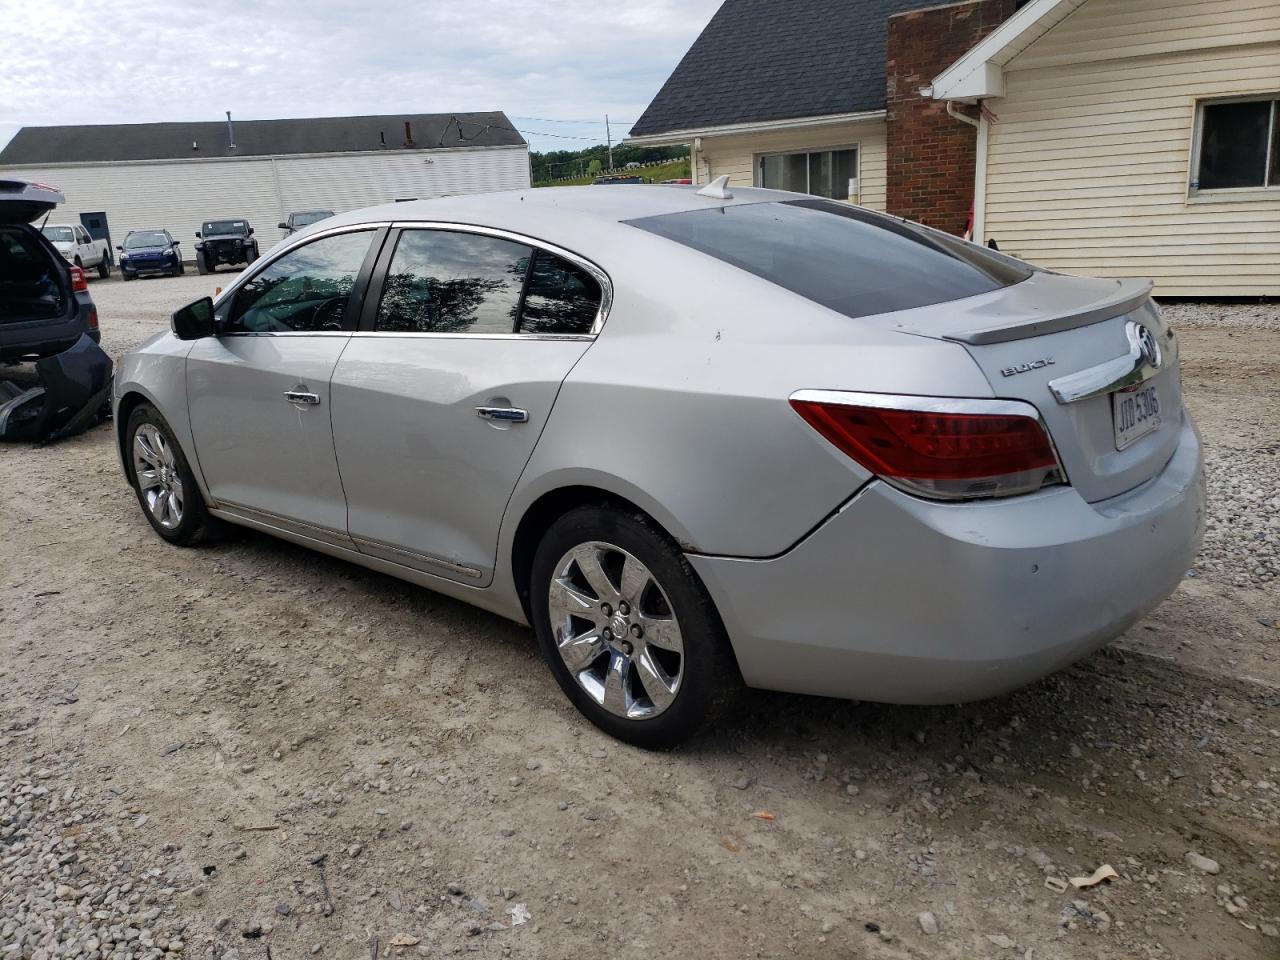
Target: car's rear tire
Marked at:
104, 268
163, 482
627, 627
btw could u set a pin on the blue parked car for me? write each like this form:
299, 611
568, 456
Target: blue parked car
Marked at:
150, 252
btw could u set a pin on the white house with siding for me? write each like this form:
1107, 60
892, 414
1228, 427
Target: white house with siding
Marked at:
1132, 138
126, 177
1106, 137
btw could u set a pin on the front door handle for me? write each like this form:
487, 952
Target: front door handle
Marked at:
503, 414
301, 396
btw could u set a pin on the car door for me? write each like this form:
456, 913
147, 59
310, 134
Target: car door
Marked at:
440, 397
258, 392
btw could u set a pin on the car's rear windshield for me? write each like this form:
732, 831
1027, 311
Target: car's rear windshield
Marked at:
30, 285
217, 227
146, 238
852, 260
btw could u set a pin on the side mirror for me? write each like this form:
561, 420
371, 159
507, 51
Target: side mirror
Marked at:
283, 226
251, 231
194, 321
120, 248
198, 237
177, 243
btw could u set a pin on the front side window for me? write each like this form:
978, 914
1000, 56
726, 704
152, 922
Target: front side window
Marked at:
561, 297
1239, 145
443, 282
308, 290
832, 174
852, 260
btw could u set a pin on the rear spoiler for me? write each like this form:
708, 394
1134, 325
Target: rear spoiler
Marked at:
1129, 295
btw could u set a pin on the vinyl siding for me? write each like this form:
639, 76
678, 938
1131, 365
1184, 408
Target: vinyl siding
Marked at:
1089, 160
180, 195
736, 155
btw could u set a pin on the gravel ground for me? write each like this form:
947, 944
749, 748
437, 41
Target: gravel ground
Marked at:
251, 751
1230, 316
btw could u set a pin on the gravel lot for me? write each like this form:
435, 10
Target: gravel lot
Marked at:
252, 751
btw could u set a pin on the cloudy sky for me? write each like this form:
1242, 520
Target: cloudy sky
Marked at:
544, 62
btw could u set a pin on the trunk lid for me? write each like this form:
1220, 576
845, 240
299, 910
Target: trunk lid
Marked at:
1067, 345
24, 202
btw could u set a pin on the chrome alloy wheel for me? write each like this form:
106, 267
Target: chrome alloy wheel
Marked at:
616, 631
158, 476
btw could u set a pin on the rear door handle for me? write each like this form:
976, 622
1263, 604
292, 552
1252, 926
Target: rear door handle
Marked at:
300, 396
503, 414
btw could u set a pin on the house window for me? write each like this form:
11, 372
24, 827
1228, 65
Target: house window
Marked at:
824, 173
1238, 144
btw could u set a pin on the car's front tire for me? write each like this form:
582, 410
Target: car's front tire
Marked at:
162, 479
627, 628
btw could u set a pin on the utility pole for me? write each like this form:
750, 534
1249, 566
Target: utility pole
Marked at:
609, 136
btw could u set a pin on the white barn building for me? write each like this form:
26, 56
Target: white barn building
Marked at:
124, 177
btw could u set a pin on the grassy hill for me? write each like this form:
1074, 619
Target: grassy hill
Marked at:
674, 170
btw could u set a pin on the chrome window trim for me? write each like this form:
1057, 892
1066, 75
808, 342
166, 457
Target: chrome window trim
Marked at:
602, 278
1111, 375
289, 244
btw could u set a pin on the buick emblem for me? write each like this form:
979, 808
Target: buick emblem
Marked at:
1148, 346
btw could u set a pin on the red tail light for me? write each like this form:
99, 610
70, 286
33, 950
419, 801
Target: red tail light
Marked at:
937, 447
93, 317
78, 281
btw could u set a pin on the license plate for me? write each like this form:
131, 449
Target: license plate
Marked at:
1136, 412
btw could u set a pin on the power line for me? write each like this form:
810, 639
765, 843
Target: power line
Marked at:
599, 123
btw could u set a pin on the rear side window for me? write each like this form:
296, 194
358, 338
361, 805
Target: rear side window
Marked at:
30, 288
442, 282
561, 298
851, 260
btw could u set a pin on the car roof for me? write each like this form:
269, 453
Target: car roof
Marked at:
551, 212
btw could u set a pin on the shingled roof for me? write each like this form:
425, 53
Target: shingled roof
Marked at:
761, 60
256, 138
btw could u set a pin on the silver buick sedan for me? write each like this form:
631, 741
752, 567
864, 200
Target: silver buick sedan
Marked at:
694, 437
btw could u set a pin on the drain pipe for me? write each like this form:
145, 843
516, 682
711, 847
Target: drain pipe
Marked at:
979, 167
951, 112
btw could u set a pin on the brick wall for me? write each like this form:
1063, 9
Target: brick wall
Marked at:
931, 155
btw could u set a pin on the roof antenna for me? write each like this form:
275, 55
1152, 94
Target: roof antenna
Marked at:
717, 189
231, 133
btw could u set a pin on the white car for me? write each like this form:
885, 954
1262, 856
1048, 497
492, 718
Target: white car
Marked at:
76, 246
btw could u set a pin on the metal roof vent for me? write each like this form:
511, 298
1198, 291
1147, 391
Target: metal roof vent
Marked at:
717, 189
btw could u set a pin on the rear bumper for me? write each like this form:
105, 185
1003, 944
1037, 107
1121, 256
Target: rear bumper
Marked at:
902, 600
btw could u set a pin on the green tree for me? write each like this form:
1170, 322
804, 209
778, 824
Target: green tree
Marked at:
594, 168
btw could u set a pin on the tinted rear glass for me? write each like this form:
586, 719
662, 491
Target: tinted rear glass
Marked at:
846, 258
